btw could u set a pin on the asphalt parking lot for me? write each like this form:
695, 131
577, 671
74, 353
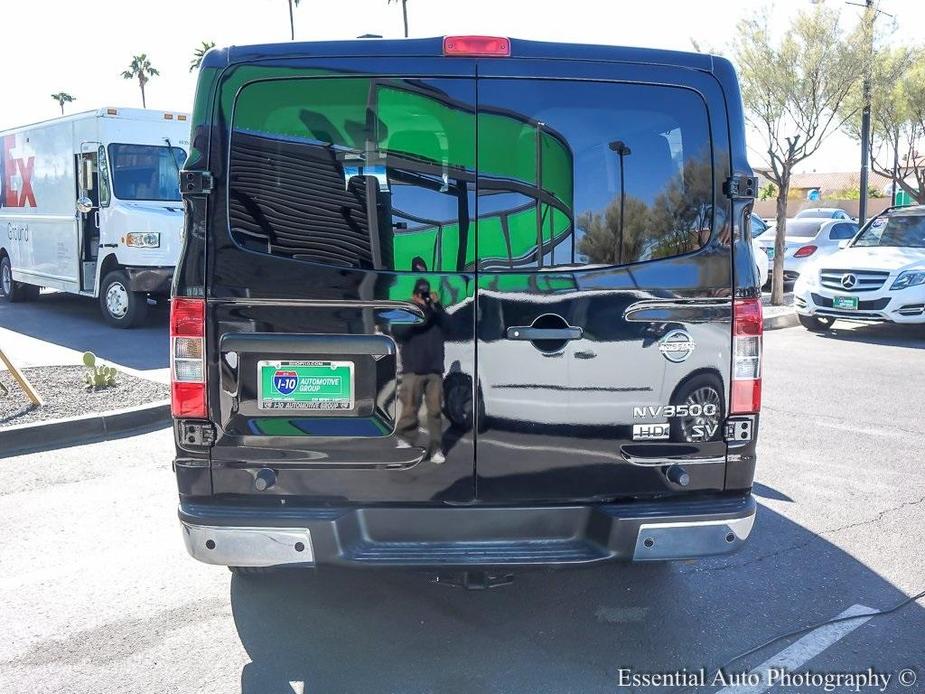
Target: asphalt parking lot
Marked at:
58, 325
97, 593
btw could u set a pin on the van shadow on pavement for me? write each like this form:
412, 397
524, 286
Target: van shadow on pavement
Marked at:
565, 630
75, 322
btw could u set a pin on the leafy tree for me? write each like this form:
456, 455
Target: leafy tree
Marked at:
141, 68
199, 53
767, 192
601, 240
404, 13
678, 219
794, 91
897, 118
63, 98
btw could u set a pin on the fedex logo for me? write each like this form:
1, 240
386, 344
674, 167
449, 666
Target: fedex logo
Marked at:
17, 177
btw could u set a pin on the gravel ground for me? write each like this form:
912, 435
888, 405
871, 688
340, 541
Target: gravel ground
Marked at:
65, 395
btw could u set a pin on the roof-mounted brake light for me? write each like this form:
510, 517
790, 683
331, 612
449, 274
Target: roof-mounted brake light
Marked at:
476, 45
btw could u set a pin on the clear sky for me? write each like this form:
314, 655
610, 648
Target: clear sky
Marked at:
82, 47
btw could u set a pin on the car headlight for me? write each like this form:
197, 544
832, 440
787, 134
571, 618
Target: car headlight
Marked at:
143, 239
909, 278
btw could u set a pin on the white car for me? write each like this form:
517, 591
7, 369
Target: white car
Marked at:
762, 261
879, 276
807, 241
826, 213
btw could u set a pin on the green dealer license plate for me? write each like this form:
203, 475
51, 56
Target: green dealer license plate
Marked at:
305, 385
849, 303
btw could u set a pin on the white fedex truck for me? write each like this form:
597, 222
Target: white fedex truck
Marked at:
90, 204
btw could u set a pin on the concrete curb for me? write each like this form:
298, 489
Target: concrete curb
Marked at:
69, 431
782, 320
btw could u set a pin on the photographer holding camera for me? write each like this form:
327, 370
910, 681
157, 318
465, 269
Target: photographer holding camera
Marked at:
421, 347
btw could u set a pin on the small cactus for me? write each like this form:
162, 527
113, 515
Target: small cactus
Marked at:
98, 377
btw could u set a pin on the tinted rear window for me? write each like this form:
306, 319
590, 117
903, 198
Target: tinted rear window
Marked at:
590, 173
803, 228
346, 171
381, 173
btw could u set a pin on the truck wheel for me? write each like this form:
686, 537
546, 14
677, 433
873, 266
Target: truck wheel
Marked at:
815, 324
121, 307
12, 291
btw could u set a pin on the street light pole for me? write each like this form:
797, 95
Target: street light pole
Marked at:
619, 146
869, 15
895, 165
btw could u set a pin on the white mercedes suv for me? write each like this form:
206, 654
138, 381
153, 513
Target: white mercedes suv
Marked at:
879, 276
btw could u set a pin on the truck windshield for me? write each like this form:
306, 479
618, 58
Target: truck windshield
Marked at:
146, 172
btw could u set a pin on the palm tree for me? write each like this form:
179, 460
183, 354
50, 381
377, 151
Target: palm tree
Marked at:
63, 98
291, 21
404, 13
141, 68
199, 53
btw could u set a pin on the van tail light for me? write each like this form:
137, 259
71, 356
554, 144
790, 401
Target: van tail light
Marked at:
805, 252
476, 45
747, 328
187, 357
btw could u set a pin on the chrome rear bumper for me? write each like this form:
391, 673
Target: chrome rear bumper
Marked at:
229, 546
467, 536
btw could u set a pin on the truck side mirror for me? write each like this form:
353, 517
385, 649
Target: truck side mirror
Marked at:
84, 204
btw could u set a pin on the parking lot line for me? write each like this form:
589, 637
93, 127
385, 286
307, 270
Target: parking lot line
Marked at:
802, 651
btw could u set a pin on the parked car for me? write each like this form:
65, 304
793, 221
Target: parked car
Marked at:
527, 227
806, 241
825, 213
878, 277
762, 259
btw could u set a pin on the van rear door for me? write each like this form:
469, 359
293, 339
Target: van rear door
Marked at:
604, 281
342, 190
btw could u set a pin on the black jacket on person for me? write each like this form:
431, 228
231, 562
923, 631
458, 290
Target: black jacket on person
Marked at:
421, 344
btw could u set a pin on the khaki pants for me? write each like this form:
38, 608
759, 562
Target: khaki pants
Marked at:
413, 389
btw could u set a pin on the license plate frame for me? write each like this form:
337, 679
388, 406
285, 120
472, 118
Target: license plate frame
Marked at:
306, 385
845, 303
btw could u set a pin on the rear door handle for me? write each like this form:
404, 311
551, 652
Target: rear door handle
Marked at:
531, 334
585, 355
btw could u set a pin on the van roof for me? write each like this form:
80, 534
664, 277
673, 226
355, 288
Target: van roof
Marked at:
433, 47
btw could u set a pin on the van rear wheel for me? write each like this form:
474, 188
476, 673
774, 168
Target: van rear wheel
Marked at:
702, 397
121, 307
12, 291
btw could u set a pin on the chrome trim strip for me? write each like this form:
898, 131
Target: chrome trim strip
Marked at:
644, 461
629, 313
237, 546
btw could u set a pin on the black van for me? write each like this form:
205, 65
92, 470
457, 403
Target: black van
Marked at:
465, 302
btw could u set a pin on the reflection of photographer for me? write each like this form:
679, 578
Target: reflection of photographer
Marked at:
422, 350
